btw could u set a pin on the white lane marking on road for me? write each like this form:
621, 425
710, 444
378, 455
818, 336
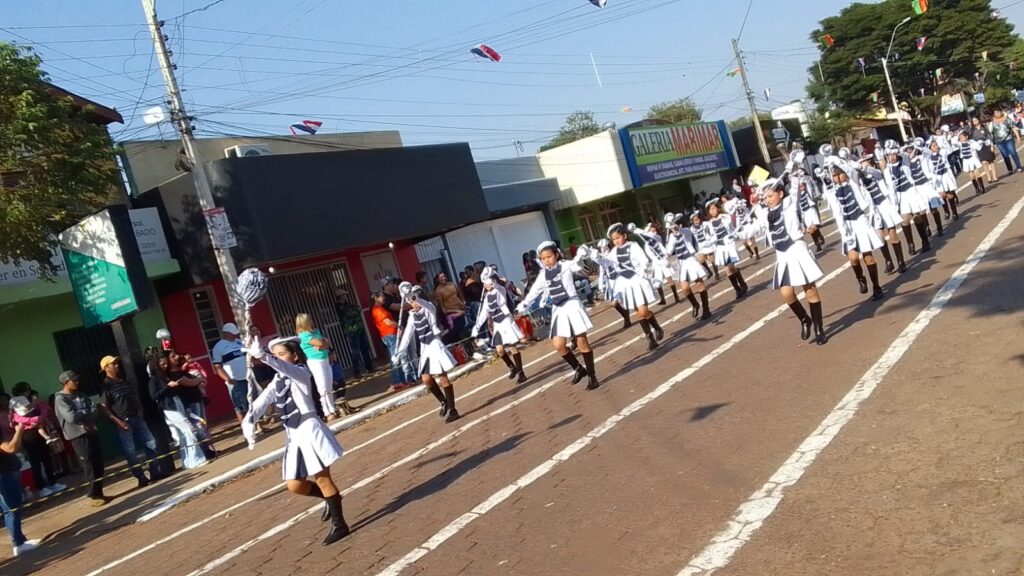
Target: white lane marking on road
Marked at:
569, 451
213, 564
751, 515
278, 488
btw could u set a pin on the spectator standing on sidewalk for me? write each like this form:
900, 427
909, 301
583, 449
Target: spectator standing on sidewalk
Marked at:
77, 416
1006, 136
229, 363
164, 384
121, 406
446, 299
980, 133
34, 416
10, 491
402, 374
352, 326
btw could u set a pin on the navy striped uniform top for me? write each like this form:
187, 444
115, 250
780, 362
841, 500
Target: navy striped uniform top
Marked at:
781, 239
285, 404
917, 171
966, 151
877, 196
803, 197
495, 309
899, 178
556, 290
421, 324
656, 249
939, 165
848, 202
624, 261
700, 234
720, 231
682, 248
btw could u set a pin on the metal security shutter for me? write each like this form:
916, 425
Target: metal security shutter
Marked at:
501, 241
472, 244
80, 349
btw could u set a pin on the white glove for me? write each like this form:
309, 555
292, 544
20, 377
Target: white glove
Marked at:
249, 432
521, 308
631, 227
255, 350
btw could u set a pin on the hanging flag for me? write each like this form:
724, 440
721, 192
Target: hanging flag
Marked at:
860, 62
1013, 65
984, 55
767, 94
920, 6
938, 74
627, 109
874, 97
307, 126
827, 41
733, 73
920, 43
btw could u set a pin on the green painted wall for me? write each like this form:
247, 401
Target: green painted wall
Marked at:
568, 225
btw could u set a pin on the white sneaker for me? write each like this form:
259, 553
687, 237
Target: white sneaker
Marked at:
478, 356
57, 487
28, 546
45, 492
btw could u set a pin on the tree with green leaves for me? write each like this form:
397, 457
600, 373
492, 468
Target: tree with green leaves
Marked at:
681, 111
55, 165
578, 126
829, 128
972, 45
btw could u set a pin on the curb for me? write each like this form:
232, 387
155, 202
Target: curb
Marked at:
342, 424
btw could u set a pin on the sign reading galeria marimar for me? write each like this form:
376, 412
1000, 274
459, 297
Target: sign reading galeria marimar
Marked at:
106, 270
672, 151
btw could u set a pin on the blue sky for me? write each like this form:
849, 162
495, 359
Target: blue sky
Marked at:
256, 66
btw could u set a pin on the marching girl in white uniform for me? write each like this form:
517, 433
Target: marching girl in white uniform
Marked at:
725, 247
853, 210
568, 318
923, 182
943, 179
800, 190
705, 243
659, 269
746, 232
309, 446
505, 335
794, 264
688, 271
435, 359
970, 161
606, 280
886, 217
911, 205
634, 290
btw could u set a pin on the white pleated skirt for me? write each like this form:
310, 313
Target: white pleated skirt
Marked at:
914, 201
308, 449
659, 273
945, 183
886, 216
707, 250
570, 319
726, 254
810, 217
971, 164
634, 292
795, 267
506, 333
748, 232
690, 270
861, 236
435, 359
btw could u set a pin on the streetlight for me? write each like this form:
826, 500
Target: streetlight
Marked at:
888, 80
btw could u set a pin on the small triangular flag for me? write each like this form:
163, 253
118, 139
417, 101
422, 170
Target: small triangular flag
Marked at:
938, 73
984, 55
732, 73
874, 97
920, 6
920, 43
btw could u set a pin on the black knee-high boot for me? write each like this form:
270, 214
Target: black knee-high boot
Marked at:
645, 325
675, 292
588, 360
436, 391
449, 395
805, 320
938, 220
715, 268
859, 273
819, 328
626, 322
898, 247
920, 222
889, 268
578, 370
706, 267
694, 303
511, 366
736, 286
742, 282
909, 236
876, 291
819, 239
757, 251
339, 528
517, 359
661, 294
704, 304
658, 332
945, 207
981, 186
954, 205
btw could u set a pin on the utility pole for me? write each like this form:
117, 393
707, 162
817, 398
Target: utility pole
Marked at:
197, 168
753, 106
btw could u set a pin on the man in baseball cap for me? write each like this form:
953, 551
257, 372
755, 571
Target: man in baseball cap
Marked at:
76, 414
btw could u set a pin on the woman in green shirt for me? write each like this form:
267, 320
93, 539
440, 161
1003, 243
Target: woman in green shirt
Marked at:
316, 348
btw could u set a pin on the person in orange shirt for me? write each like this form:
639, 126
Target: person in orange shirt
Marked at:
403, 375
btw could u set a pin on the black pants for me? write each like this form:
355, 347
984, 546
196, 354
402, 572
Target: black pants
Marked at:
89, 455
39, 458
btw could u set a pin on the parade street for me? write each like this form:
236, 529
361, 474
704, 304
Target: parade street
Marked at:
734, 447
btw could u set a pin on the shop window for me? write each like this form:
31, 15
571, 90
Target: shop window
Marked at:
595, 220
206, 313
80, 349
